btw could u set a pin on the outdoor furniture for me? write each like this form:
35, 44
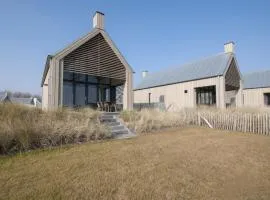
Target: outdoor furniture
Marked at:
99, 106
107, 106
113, 107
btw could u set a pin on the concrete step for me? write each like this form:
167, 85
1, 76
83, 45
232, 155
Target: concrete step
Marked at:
106, 116
110, 114
115, 128
108, 120
112, 123
124, 136
118, 132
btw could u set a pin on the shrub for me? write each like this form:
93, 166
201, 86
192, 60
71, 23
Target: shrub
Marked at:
23, 128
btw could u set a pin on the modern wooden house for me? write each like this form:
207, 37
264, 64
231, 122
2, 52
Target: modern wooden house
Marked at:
88, 71
256, 92
213, 81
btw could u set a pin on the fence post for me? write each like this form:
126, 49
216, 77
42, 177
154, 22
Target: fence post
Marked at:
199, 119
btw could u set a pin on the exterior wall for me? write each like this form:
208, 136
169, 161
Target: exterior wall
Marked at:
239, 95
176, 98
45, 93
128, 97
254, 97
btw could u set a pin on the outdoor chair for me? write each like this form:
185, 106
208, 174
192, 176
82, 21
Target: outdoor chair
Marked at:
106, 107
113, 107
99, 106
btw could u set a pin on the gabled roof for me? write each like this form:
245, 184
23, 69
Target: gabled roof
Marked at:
205, 68
3, 96
257, 80
62, 53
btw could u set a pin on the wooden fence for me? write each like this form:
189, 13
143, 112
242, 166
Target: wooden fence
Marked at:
141, 106
258, 123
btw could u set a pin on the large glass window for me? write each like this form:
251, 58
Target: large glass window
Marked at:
79, 77
206, 95
81, 89
92, 79
107, 94
79, 94
92, 93
68, 94
267, 99
68, 76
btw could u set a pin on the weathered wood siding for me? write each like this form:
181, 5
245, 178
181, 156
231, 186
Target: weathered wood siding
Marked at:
45, 93
95, 57
254, 97
175, 96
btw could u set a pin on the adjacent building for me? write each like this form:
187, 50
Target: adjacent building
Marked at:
4, 97
212, 81
26, 101
256, 91
88, 71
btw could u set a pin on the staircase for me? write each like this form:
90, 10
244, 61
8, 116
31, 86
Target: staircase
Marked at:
118, 129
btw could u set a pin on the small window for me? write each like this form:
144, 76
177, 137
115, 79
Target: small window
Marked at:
186, 91
267, 99
161, 99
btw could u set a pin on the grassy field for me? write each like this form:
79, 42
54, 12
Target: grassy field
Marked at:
191, 163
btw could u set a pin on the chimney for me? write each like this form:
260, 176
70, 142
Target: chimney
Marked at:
144, 73
229, 47
98, 20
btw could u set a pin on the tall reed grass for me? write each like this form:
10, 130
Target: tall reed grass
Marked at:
23, 128
149, 120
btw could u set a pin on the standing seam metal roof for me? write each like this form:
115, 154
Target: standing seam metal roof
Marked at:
205, 68
257, 80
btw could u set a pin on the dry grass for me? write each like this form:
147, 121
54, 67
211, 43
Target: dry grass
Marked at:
191, 163
23, 128
240, 119
146, 121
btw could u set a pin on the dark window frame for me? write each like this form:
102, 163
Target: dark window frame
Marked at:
86, 83
206, 95
266, 98
162, 99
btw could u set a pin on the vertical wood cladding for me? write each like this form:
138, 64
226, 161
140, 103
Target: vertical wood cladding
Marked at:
96, 58
232, 77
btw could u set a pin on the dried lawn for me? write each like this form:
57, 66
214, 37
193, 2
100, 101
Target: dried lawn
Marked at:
188, 163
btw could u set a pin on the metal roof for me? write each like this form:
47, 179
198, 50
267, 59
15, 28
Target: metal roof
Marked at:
257, 79
205, 68
22, 100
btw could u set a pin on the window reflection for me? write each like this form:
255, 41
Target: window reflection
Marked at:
79, 94
92, 94
80, 89
68, 94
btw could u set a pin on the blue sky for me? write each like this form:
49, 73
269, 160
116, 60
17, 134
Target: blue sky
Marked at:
152, 35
